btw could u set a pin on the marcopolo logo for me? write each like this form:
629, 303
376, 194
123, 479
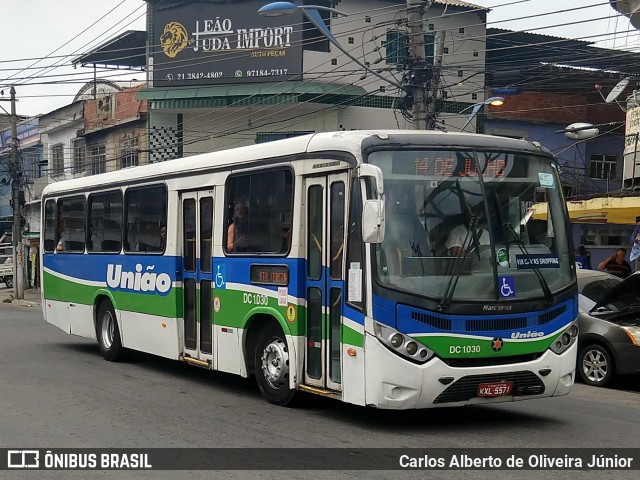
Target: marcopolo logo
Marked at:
528, 334
148, 282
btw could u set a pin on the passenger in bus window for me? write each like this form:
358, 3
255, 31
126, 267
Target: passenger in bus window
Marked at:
459, 234
163, 238
237, 240
61, 240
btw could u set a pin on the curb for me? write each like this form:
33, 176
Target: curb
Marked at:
25, 303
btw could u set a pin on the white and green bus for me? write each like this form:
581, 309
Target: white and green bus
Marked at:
326, 263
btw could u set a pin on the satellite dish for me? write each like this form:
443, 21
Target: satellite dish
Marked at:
617, 90
581, 131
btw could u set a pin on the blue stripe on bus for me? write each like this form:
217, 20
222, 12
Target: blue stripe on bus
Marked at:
352, 314
417, 321
93, 268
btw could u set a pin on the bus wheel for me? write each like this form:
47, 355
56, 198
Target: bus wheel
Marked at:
272, 365
108, 333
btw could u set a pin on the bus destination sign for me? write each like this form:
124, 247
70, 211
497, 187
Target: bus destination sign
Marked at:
270, 275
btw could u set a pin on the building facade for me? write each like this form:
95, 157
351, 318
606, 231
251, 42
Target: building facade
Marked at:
222, 76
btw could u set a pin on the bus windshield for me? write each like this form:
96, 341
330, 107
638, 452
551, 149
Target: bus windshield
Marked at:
460, 225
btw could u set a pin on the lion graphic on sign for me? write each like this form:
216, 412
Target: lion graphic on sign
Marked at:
174, 39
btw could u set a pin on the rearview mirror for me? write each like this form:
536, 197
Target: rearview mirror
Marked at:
373, 221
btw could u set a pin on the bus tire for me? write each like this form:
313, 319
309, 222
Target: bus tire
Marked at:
108, 333
272, 365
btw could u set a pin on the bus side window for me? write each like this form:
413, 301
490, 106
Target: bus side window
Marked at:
355, 247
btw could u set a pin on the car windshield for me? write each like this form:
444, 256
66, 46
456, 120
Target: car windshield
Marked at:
461, 225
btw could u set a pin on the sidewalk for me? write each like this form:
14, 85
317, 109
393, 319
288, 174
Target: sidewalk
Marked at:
31, 297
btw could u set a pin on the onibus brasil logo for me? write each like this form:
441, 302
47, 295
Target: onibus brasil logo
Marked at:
148, 282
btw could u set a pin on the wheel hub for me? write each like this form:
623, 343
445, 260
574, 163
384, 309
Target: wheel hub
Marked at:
595, 366
107, 330
275, 363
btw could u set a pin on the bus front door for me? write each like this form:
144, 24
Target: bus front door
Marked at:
197, 260
324, 238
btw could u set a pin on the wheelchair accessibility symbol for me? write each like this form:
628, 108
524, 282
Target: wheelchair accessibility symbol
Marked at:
221, 277
507, 287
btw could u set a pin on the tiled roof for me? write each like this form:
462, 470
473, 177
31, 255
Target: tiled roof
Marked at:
460, 3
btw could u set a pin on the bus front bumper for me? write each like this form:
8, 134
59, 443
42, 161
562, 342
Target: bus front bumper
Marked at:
395, 383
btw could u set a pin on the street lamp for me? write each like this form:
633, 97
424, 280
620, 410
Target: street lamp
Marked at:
276, 9
496, 101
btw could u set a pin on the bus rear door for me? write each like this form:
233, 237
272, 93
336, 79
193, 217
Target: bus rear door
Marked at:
197, 259
324, 237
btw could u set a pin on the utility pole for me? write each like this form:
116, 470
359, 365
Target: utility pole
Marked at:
16, 180
417, 61
435, 81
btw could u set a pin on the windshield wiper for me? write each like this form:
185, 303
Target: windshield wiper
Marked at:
456, 266
523, 248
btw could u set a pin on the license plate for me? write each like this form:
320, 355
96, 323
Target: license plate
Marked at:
497, 389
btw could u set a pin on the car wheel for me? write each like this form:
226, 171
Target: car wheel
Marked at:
108, 333
272, 365
595, 365
8, 281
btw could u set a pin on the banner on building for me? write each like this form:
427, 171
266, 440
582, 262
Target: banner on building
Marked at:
27, 131
211, 43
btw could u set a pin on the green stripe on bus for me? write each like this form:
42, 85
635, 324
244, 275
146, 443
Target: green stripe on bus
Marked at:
351, 337
465, 347
56, 288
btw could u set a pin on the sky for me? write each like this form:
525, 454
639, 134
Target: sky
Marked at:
44, 33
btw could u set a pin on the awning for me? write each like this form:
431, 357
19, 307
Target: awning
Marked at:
260, 93
616, 210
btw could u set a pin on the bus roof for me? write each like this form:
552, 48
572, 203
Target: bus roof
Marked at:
351, 142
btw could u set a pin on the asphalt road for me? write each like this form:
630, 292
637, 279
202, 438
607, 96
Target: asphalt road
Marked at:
57, 392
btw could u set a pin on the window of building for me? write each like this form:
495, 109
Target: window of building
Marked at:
79, 155
607, 237
396, 47
603, 166
71, 224
57, 159
129, 152
264, 137
258, 212
312, 38
43, 167
105, 222
31, 161
98, 159
145, 214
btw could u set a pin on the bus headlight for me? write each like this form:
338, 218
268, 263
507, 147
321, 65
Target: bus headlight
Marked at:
565, 339
402, 344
